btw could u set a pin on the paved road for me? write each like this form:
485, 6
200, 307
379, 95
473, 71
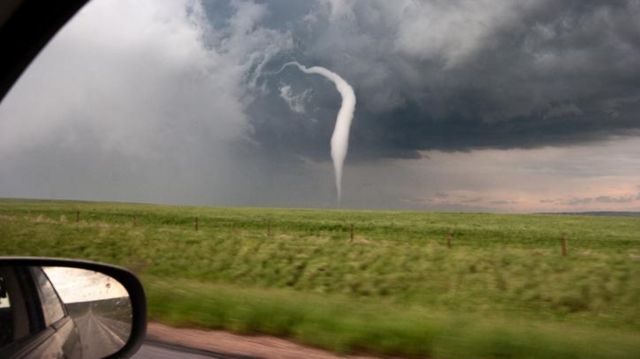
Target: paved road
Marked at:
152, 350
148, 351
101, 336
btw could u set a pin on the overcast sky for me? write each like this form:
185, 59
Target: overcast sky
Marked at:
472, 105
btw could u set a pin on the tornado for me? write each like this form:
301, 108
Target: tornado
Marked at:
340, 136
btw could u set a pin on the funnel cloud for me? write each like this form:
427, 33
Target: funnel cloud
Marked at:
340, 137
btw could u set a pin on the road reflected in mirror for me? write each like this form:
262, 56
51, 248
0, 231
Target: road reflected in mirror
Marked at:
98, 304
57, 312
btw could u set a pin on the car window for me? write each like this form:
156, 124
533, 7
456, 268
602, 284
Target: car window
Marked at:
15, 321
6, 315
418, 178
51, 305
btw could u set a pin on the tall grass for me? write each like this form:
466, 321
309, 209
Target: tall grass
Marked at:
502, 290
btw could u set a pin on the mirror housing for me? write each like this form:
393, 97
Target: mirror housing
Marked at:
126, 279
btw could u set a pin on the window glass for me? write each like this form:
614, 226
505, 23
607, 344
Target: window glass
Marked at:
4, 295
51, 304
15, 322
6, 314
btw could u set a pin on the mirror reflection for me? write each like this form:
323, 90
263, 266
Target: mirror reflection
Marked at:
62, 312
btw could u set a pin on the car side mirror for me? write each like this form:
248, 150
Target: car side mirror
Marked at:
52, 307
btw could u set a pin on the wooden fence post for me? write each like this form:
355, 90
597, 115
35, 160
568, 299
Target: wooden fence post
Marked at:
77, 215
195, 223
449, 238
268, 228
135, 221
563, 244
351, 235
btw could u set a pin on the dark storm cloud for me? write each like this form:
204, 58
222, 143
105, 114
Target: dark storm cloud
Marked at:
454, 75
609, 199
599, 199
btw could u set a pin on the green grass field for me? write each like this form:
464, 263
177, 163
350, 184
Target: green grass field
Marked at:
502, 291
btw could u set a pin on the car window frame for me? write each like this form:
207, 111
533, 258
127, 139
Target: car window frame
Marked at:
37, 271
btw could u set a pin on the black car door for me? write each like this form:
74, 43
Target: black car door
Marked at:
34, 304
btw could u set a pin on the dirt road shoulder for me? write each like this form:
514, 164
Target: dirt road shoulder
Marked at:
224, 342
